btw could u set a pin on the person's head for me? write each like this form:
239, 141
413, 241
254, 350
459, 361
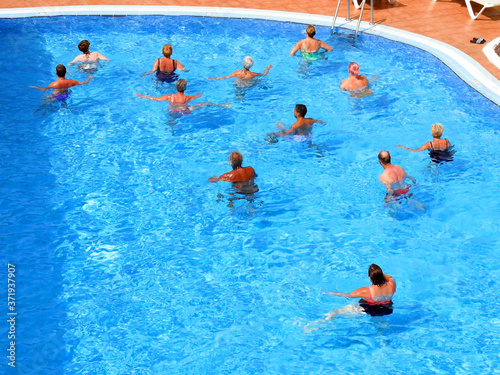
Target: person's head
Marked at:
353, 69
311, 31
300, 110
61, 70
247, 62
84, 46
181, 85
384, 157
235, 159
167, 50
437, 130
376, 275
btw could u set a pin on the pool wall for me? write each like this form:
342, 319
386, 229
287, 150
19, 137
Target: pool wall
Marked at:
464, 66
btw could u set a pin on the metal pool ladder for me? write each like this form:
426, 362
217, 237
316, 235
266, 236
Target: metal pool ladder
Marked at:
348, 18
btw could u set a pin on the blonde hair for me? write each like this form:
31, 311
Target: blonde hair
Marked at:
311, 31
167, 50
437, 130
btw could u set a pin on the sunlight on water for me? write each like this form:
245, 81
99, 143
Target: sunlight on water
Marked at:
131, 262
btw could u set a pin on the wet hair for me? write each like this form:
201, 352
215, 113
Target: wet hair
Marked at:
84, 46
235, 159
247, 62
61, 70
311, 31
301, 109
181, 85
437, 130
376, 275
353, 68
384, 157
167, 50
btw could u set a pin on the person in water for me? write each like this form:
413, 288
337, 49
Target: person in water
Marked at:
439, 149
355, 81
376, 299
87, 56
61, 86
393, 176
165, 66
310, 47
179, 101
302, 126
245, 73
179, 98
238, 173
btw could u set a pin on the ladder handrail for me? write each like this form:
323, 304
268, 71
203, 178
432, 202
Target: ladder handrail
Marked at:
348, 19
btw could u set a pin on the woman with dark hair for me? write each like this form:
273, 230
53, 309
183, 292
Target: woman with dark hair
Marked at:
376, 299
87, 56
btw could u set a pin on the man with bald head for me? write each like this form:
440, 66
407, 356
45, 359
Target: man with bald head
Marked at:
238, 173
393, 176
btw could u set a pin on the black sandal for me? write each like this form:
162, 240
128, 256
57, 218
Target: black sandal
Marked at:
478, 40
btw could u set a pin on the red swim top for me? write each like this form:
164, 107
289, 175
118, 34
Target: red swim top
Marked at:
371, 301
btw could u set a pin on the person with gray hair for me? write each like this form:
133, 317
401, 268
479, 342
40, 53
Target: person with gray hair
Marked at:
238, 173
245, 73
177, 99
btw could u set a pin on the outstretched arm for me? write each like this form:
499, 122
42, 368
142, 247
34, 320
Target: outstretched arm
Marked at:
325, 46
358, 293
421, 148
265, 71
295, 48
218, 78
40, 88
101, 57
84, 82
180, 66
225, 177
154, 69
198, 95
75, 60
282, 131
158, 99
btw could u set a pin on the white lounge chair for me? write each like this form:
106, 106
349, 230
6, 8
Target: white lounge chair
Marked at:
484, 3
357, 3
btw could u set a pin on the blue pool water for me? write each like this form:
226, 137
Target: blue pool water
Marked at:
129, 262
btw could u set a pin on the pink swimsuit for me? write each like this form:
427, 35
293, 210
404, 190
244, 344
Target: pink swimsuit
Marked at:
371, 301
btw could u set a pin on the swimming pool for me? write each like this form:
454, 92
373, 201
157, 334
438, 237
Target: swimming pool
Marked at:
129, 261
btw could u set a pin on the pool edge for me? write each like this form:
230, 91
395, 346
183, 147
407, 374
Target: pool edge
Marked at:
468, 69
